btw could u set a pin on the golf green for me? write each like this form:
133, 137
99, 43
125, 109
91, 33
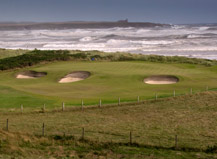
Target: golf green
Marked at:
108, 81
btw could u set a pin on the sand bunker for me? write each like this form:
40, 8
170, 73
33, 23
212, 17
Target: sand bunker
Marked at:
161, 79
30, 74
75, 76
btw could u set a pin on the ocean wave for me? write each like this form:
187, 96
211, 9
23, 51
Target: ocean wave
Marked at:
208, 35
204, 28
86, 39
177, 38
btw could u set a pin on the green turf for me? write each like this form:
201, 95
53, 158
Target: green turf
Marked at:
109, 80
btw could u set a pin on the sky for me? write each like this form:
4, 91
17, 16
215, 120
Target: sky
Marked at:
160, 11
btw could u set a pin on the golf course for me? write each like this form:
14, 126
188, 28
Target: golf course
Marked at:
115, 105
107, 81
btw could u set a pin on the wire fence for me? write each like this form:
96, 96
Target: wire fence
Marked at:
104, 103
171, 141
163, 141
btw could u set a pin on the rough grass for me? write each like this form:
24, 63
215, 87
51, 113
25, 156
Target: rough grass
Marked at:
5, 53
46, 56
153, 124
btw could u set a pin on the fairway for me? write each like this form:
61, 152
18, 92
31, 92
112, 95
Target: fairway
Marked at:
108, 81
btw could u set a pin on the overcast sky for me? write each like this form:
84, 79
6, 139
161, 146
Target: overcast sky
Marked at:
163, 11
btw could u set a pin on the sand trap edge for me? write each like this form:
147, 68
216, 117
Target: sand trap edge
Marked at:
161, 79
75, 76
30, 74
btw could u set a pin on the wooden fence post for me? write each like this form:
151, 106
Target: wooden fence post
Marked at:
63, 106
7, 125
21, 107
43, 129
131, 138
207, 88
82, 104
82, 136
155, 96
74, 141
119, 101
174, 93
100, 103
43, 109
176, 142
138, 99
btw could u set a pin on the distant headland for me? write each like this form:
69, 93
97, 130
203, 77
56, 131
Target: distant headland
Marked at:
74, 25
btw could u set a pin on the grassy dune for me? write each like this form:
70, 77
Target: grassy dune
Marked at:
5, 53
108, 81
153, 126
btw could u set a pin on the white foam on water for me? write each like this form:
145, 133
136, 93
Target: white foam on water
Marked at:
86, 39
179, 39
204, 28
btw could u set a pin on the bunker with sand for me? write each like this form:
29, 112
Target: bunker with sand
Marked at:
30, 74
161, 79
75, 76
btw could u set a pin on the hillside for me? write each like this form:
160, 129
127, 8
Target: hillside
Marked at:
153, 126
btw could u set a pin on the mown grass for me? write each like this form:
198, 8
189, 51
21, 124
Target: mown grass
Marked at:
113, 76
108, 81
153, 124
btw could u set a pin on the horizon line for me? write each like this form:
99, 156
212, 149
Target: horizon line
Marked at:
70, 21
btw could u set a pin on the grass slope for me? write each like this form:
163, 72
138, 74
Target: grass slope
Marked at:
6, 53
153, 126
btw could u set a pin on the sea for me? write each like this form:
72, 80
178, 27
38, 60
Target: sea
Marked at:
196, 41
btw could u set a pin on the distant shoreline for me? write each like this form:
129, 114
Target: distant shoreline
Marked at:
75, 25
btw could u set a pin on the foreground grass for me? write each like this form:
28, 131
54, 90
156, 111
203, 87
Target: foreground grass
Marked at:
28, 146
153, 125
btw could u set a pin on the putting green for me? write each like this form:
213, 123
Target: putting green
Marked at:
108, 81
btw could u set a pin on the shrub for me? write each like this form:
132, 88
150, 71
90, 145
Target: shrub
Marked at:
38, 56
32, 58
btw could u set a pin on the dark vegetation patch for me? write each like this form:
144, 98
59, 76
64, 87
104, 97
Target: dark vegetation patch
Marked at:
32, 58
37, 56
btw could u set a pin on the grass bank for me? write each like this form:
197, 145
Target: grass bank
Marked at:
107, 131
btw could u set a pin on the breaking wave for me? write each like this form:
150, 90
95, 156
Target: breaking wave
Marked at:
182, 40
